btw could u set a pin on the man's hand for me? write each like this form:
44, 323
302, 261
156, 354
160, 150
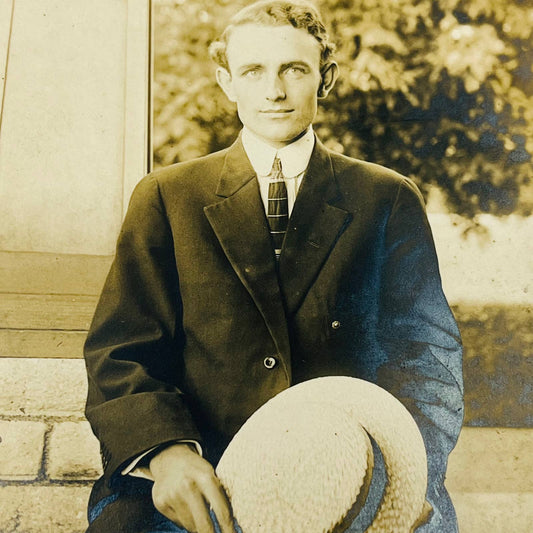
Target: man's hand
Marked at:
185, 485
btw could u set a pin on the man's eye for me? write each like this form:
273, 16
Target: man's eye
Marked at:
295, 71
253, 73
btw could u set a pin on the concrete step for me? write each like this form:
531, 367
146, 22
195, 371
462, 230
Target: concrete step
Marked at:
494, 512
48, 451
43, 509
47, 302
42, 387
49, 273
41, 343
47, 311
492, 460
44, 325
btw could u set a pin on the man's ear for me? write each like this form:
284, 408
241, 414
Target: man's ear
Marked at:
329, 77
225, 81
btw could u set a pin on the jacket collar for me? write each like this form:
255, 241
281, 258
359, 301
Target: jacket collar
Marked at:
236, 171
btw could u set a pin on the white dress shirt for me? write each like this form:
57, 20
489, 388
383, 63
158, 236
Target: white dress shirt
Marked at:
294, 160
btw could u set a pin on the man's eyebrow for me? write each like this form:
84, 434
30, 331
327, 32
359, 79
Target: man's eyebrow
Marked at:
249, 66
291, 64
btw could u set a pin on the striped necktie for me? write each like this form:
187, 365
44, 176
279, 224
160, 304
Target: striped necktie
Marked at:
278, 207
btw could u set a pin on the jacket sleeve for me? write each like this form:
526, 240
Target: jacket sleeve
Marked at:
133, 349
420, 340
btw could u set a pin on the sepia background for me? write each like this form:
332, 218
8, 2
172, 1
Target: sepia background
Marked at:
441, 91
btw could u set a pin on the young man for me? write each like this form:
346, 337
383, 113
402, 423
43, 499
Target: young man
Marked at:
249, 270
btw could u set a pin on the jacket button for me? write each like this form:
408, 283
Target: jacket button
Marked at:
335, 324
270, 362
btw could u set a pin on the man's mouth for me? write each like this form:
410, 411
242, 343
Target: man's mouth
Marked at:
277, 111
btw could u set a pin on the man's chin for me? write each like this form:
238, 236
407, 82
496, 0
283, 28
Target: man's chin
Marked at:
280, 136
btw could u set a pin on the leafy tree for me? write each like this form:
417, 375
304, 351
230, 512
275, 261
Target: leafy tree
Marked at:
440, 90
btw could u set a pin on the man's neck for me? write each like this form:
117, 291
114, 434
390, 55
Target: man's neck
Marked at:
273, 144
294, 156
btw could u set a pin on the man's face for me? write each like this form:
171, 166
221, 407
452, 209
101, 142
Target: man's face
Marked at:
274, 79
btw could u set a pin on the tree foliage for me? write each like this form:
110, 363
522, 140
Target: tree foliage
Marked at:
441, 91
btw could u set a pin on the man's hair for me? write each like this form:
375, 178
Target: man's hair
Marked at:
297, 13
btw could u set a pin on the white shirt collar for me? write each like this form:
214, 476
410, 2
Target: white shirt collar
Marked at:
294, 157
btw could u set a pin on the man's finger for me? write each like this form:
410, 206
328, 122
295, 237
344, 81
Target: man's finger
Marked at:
173, 508
181, 518
200, 513
216, 497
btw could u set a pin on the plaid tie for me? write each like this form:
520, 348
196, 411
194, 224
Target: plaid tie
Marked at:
278, 207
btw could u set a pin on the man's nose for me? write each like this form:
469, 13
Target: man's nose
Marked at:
275, 88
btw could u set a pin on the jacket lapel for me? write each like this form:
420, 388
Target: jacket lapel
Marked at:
315, 225
240, 225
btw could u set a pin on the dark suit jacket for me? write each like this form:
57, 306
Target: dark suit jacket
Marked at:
194, 303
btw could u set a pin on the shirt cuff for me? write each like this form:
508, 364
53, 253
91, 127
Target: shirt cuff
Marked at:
143, 471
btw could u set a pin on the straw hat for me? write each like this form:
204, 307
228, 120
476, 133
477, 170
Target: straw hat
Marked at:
303, 462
